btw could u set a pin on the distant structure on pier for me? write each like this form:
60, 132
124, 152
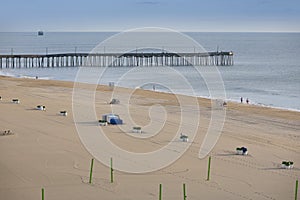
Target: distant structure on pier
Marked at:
117, 59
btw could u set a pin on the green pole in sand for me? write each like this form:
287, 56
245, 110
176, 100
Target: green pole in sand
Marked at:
208, 170
184, 192
91, 171
43, 194
160, 192
111, 171
296, 190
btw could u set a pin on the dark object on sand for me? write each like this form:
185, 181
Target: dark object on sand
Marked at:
114, 101
242, 151
17, 101
287, 164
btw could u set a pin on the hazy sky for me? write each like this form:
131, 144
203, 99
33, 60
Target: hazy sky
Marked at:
181, 15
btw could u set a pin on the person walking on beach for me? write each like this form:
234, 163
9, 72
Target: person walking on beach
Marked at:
247, 101
241, 99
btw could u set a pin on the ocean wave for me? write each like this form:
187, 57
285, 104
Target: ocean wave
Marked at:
34, 77
7, 74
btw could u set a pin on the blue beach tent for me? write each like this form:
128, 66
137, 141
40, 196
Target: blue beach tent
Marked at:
116, 121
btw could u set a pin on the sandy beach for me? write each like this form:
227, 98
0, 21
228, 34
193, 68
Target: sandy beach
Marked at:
44, 149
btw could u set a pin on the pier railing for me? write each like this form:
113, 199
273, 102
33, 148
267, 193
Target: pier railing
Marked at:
116, 60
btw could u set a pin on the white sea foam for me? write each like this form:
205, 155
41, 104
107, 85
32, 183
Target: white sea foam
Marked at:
2, 73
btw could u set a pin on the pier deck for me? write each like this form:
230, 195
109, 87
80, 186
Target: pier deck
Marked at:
116, 59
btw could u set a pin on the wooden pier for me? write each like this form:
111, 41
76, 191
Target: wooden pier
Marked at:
117, 60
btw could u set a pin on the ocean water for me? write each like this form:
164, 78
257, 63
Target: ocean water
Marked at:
266, 69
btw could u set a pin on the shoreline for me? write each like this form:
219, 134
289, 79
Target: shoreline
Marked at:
201, 97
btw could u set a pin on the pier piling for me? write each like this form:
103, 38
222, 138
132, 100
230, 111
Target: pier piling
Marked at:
116, 59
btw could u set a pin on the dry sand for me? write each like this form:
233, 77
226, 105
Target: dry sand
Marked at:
45, 150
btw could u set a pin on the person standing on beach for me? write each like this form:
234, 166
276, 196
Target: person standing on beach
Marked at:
241, 99
247, 101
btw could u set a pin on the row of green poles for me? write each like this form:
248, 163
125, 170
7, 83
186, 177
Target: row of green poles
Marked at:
160, 188
296, 190
160, 185
160, 192
111, 171
91, 171
184, 192
43, 194
208, 168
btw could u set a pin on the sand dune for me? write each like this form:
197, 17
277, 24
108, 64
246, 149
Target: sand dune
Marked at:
45, 151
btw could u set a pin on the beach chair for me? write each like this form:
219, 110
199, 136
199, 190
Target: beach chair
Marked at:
7, 132
184, 138
41, 107
114, 101
137, 129
63, 113
16, 101
102, 122
287, 164
242, 151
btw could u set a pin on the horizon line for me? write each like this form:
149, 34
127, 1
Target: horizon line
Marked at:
119, 31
